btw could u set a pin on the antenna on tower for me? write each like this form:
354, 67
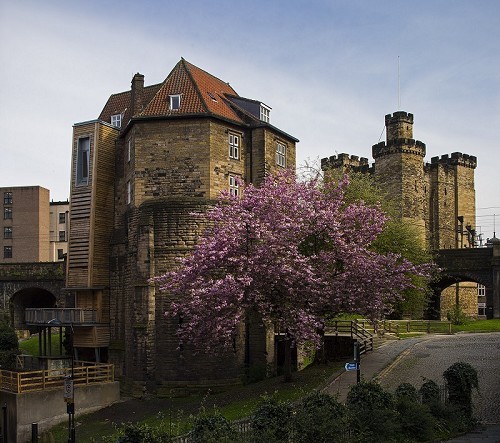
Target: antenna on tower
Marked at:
399, 88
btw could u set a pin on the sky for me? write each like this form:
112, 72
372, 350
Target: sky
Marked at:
329, 69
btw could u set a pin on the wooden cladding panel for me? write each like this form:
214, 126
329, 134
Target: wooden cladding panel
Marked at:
91, 337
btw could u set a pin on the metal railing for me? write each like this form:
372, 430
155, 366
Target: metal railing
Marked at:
60, 316
84, 373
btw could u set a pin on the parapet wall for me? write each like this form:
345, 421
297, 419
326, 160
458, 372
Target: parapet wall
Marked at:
456, 159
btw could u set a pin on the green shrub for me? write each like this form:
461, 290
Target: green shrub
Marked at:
457, 316
271, 421
212, 428
406, 391
372, 413
429, 392
142, 433
461, 379
319, 418
9, 346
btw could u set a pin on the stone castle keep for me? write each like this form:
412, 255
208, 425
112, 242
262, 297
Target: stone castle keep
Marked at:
437, 197
155, 155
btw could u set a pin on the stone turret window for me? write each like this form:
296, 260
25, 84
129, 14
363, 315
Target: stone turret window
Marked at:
234, 188
234, 146
280, 154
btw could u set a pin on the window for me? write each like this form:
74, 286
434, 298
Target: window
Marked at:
7, 252
7, 198
280, 154
7, 232
7, 213
175, 102
60, 254
116, 120
265, 113
129, 192
234, 146
481, 290
83, 161
481, 309
234, 188
62, 235
129, 150
62, 217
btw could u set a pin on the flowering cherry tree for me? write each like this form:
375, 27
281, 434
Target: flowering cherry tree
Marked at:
290, 251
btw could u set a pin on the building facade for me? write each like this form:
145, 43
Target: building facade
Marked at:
155, 155
33, 228
437, 197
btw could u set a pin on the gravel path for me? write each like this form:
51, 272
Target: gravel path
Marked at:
430, 357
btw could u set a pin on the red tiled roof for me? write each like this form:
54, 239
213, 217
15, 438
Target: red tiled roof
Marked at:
120, 104
201, 93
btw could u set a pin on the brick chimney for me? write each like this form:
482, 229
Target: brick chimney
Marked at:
137, 97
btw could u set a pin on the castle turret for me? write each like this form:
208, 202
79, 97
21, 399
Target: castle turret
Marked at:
399, 165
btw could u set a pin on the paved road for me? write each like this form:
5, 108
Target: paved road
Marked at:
430, 357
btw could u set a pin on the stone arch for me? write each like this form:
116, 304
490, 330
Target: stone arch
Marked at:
29, 297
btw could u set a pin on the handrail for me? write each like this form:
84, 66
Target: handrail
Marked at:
407, 326
39, 380
60, 316
355, 329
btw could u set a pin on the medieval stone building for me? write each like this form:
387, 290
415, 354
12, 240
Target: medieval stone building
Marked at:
437, 197
155, 155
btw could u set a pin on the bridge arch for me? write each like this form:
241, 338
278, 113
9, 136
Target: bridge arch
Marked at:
479, 265
29, 297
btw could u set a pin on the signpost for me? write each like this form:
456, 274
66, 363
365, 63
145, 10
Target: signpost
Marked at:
351, 366
357, 360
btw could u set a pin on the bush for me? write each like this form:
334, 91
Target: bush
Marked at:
415, 419
319, 418
142, 433
429, 392
212, 428
457, 316
372, 413
461, 379
271, 421
9, 346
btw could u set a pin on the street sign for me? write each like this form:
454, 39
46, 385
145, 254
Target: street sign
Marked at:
69, 392
351, 366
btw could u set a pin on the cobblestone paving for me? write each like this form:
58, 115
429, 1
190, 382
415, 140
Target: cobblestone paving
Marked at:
430, 357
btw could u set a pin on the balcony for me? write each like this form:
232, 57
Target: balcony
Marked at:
61, 317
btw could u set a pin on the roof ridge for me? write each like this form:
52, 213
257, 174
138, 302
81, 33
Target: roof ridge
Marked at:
195, 85
211, 75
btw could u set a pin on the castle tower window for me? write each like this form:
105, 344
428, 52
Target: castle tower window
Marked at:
116, 120
234, 188
129, 150
175, 102
234, 146
280, 154
265, 113
82, 161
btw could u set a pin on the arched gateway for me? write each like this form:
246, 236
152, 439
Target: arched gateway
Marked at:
480, 265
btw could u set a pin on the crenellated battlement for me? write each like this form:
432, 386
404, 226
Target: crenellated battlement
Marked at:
345, 162
456, 159
398, 146
399, 116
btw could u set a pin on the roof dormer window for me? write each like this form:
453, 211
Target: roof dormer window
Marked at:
116, 120
265, 112
175, 102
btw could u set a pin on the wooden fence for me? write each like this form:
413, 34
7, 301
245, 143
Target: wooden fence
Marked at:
357, 330
84, 373
420, 326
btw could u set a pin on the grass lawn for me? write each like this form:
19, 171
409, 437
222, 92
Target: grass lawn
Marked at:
30, 346
178, 413
492, 325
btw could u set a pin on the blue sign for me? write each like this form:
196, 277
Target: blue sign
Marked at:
351, 366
